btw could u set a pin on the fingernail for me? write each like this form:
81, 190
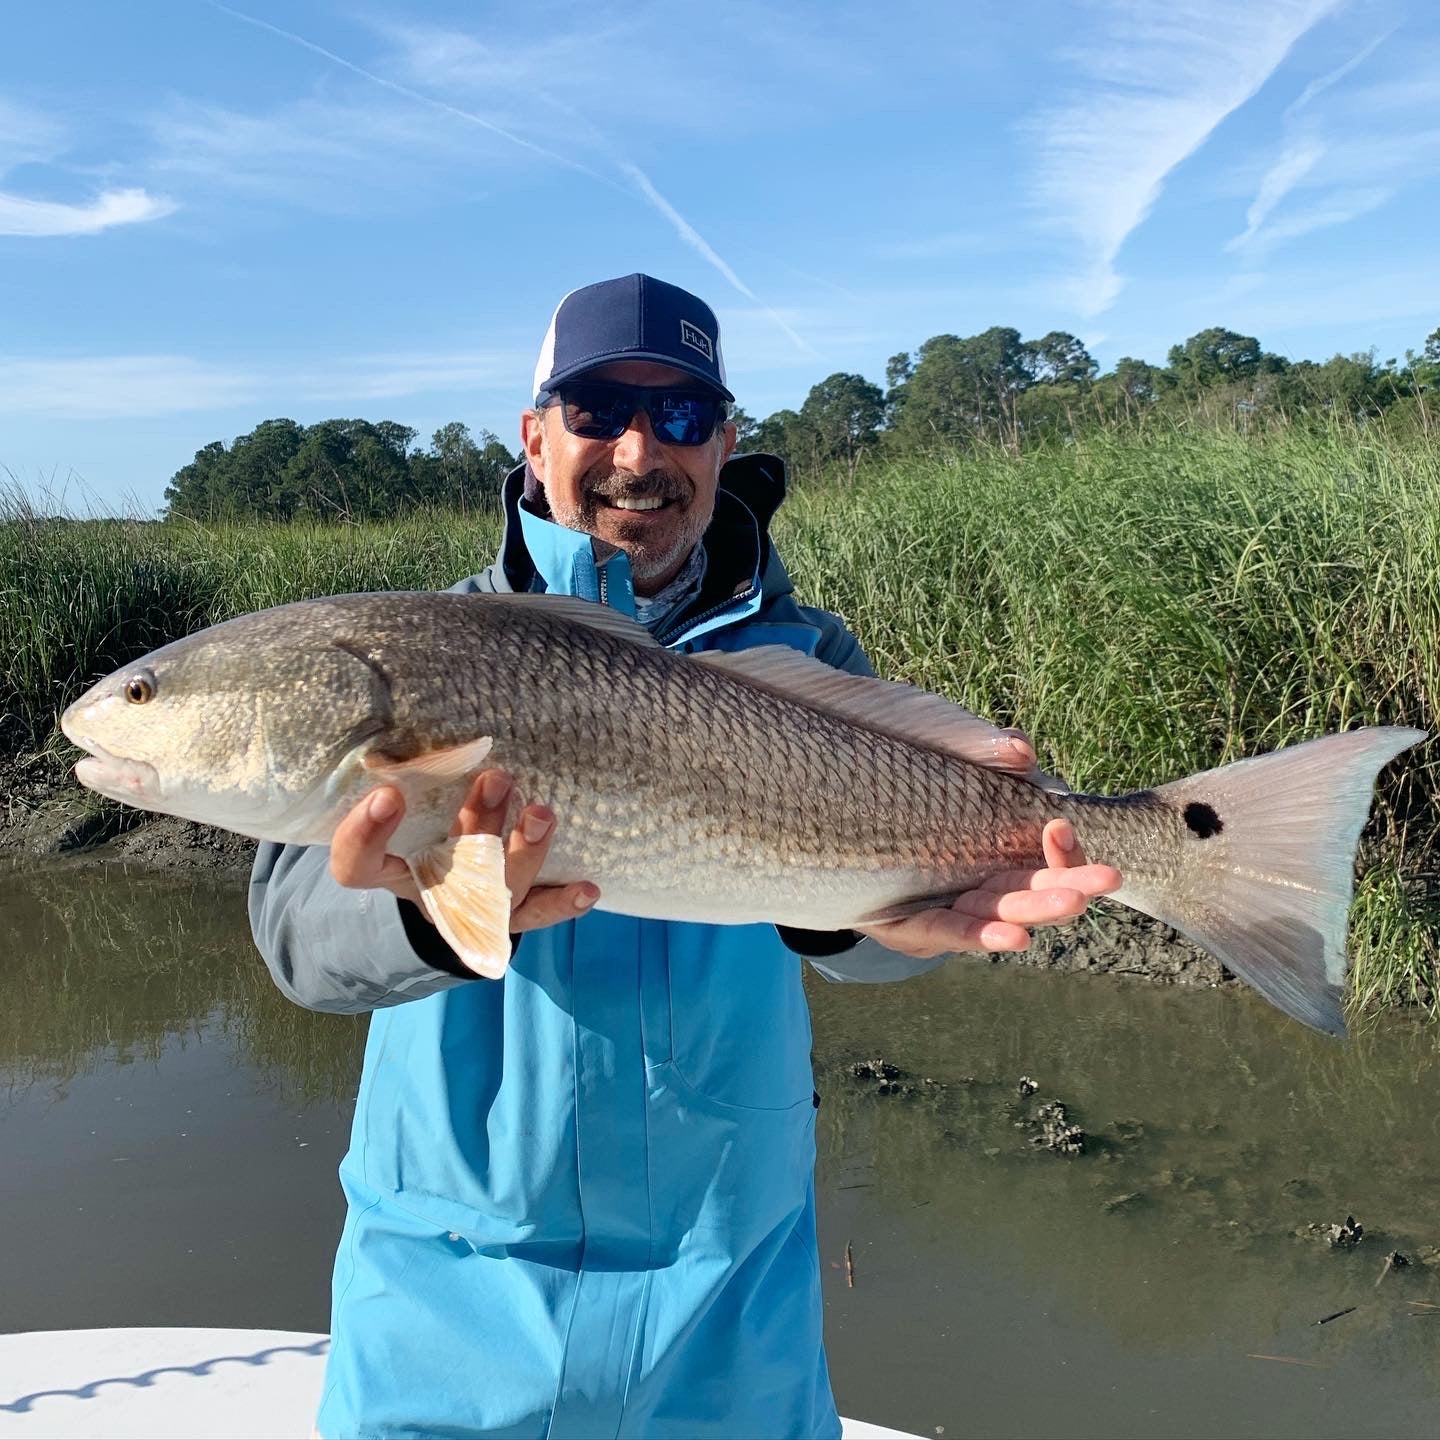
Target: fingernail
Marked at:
495, 788
1065, 838
586, 898
535, 828
383, 804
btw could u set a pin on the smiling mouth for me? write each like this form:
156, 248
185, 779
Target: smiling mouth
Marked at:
638, 504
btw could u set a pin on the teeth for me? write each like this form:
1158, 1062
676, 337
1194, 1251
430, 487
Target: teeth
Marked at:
651, 502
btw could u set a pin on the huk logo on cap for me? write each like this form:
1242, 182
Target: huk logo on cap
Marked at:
697, 339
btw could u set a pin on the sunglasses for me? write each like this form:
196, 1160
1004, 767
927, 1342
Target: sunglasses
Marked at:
601, 410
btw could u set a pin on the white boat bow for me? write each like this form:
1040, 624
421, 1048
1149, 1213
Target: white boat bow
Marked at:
181, 1384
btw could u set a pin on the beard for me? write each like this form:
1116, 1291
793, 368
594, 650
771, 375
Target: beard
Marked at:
656, 544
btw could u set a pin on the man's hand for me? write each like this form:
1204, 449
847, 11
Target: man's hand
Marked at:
998, 915
358, 858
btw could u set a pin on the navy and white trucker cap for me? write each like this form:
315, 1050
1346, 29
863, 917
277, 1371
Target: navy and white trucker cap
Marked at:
634, 318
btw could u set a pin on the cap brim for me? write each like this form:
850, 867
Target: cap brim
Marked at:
595, 362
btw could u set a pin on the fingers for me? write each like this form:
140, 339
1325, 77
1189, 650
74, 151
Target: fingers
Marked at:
996, 916
1090, 880
999, 750
482, 812
357, 849
1023, 907
527, 846
526, 849
945, 932
1019, 753
550, 904
1060, 845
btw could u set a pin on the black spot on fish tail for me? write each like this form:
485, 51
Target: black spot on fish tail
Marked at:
1202, 819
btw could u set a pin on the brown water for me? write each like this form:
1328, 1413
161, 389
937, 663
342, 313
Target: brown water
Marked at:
170, 1127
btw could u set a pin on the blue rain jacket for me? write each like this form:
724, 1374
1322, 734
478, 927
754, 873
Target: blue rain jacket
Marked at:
581, 1199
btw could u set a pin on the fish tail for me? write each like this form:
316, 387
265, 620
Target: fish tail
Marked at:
1265, 873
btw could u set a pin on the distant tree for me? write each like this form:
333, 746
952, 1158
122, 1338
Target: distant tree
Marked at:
496, 458
787, 435
1137, 381
1431, 353
200, 490
1215, 357
746, 428
258, 462
1059, 359
842, 415
898, 370
961, 388
1351, 385
459, 471
350, 469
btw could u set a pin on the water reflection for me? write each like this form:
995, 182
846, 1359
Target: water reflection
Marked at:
104, 965
1216, 1130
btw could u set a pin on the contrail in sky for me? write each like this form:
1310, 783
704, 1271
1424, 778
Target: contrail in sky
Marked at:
419, 96
692, 237
686, 231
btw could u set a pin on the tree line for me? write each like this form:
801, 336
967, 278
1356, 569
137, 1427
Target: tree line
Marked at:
995, 386
951, 392
338, 470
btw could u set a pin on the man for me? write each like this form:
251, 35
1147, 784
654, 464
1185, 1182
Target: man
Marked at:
581, 1199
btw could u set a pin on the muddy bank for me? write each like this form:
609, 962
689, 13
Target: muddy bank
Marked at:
48, 817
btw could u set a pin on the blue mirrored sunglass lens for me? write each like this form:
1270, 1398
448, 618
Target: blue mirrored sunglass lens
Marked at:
683, 420
602, 413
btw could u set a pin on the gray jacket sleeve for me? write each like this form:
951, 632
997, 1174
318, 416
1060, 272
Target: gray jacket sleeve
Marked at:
862, 960
337, 949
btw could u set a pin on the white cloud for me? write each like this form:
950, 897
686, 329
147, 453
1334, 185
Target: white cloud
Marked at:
335, 155
389, 377
116, 387
26, 135
1357, 164
22, 216
1152, 90
1298, 160
1322, 83
1337, 208
439, 56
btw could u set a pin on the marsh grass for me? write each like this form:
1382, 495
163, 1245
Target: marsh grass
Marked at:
1146, 604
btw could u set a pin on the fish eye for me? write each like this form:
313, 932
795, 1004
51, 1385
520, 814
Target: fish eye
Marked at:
140, 688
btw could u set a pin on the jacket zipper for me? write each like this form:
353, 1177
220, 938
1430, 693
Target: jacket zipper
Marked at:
710, 614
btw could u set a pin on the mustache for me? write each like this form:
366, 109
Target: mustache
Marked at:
625, 485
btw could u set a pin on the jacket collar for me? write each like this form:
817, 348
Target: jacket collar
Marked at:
741, 567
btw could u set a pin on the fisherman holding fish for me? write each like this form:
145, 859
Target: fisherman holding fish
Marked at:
568, 833
582, 1200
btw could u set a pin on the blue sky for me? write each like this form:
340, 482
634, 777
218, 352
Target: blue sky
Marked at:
212, 215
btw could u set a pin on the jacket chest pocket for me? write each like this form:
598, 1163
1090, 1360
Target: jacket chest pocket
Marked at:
728, 1002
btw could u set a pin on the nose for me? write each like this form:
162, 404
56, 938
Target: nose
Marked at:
638, 450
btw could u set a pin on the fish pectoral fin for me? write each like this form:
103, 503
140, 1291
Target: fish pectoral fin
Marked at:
454, 763
462, 885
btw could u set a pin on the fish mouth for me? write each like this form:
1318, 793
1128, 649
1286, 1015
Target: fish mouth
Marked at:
113, 775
